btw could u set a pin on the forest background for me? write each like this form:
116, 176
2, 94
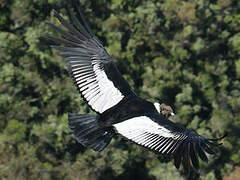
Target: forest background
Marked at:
185, 53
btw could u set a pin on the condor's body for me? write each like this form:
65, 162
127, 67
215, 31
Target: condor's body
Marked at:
128, 108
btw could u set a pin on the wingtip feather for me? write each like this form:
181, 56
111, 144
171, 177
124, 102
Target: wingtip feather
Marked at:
219, 138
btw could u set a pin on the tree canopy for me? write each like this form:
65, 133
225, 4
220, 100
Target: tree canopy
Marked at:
185, 53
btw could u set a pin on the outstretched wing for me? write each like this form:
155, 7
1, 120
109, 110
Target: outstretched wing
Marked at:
169, 139
91, 67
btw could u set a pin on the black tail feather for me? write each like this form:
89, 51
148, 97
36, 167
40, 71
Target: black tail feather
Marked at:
88, 132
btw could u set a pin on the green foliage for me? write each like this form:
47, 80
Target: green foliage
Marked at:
15, 131
182, 53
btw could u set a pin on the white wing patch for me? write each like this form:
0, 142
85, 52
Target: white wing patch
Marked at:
157, 106
148, 133
142, 124
94, 84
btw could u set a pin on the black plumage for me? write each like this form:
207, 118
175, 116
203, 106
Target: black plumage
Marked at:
118, 109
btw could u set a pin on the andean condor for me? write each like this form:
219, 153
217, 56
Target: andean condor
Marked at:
118, 109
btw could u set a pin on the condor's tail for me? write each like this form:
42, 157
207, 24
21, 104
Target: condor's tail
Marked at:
87, 131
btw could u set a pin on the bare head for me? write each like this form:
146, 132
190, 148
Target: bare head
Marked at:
164, 109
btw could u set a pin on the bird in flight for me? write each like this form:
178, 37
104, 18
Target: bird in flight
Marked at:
118, 109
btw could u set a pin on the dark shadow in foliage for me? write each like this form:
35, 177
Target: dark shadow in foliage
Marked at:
170, 94
217, 165
225, 156
135, 170
234, 131
107, 174
43, 150
205, 112
73, 147
192, 175
63, 105
6, 22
